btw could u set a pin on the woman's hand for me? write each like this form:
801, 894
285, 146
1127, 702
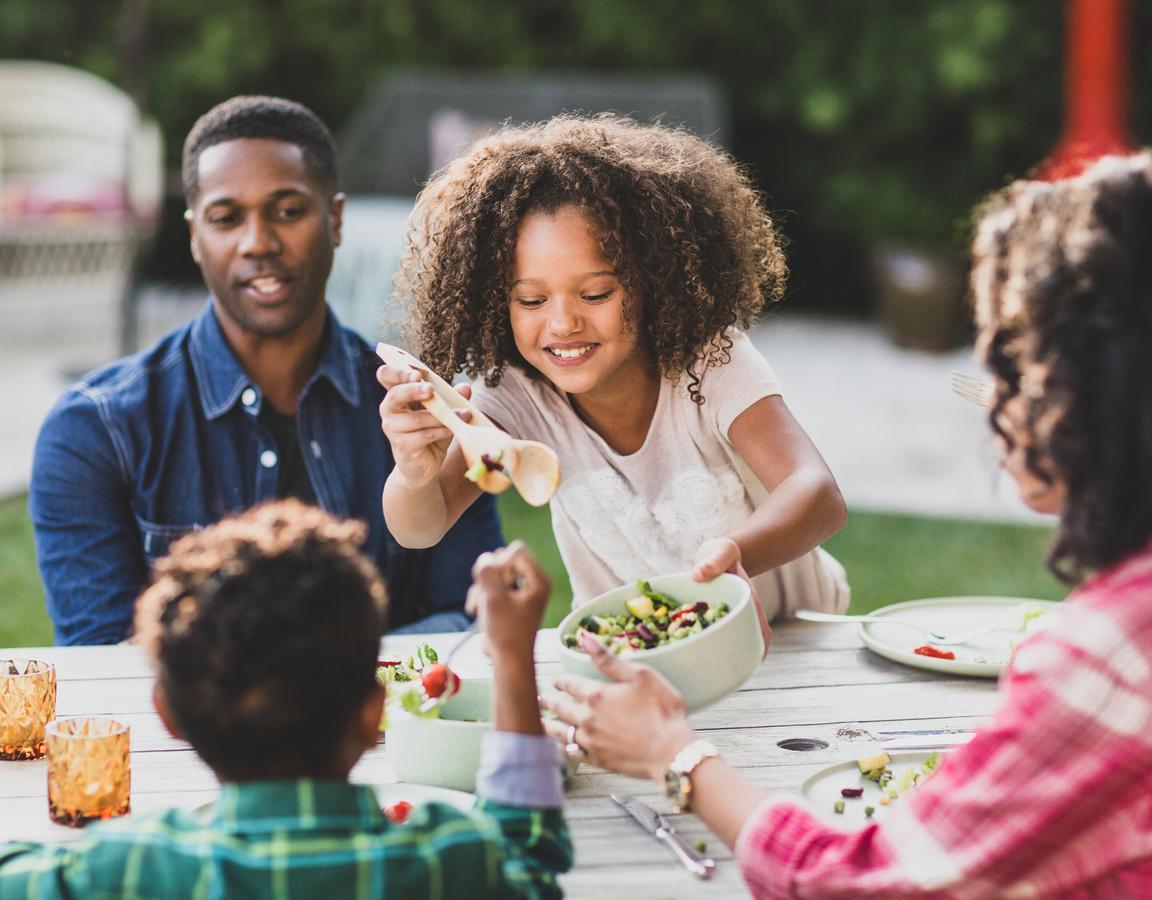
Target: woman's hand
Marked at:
719, 555
419, 442
635, 724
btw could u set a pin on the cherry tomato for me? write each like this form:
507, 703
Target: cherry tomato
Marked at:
439, 681
934, 652
398, 812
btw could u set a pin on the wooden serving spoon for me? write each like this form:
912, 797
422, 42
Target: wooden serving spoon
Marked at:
502, 459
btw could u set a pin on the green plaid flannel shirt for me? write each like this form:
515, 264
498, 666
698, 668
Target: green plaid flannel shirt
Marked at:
308, 839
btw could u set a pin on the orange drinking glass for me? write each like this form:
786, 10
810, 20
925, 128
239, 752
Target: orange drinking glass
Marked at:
89, 774
27, 703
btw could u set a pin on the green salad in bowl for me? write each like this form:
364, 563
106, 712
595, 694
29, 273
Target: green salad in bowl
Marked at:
704, 637
651, 619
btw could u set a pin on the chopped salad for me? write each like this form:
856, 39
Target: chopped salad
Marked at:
877, 769
415, 682
651, 620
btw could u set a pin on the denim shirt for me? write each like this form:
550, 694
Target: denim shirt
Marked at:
167, 441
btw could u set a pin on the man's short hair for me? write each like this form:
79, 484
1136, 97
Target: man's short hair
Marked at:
265, 630
273, 118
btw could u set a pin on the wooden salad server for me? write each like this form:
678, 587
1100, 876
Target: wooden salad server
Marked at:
495, 458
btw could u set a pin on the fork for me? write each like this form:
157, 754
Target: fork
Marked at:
936, 637
470, 632
973, 389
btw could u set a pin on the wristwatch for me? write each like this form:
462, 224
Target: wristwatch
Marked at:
678, 778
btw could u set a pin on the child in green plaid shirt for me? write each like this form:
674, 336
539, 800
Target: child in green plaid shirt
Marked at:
264, 630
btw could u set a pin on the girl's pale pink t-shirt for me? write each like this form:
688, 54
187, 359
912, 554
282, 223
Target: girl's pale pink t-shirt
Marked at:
620, 517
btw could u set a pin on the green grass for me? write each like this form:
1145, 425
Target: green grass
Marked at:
892, 558
23, 622
889, 558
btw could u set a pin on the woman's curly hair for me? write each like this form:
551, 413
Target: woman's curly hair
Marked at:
685, 230
265, 630
1062, 285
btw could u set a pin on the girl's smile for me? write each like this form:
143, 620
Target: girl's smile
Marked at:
567, 310
571, 354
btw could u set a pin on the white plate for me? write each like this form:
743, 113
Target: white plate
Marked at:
822, 790
419, 794
984, 657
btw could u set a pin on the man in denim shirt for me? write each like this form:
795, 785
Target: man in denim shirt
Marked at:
263, 395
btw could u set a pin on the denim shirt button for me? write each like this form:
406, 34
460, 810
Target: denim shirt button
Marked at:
268, 459
315, 449
248, 398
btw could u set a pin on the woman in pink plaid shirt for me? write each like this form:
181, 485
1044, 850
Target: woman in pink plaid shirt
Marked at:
1053, 798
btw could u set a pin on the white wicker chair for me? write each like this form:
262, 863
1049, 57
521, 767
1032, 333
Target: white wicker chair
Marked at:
80, 190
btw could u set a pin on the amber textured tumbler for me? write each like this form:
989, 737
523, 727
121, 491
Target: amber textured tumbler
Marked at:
27, 704
89, 774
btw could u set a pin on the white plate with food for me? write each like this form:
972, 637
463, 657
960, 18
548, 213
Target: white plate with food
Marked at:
399, 800
852, 794
1011, 620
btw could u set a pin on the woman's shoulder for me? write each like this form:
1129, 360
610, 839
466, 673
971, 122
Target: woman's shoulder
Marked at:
1105, 626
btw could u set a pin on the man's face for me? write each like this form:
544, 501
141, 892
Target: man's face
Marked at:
263, 233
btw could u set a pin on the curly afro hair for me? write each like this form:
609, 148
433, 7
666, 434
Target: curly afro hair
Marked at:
265, 630
1062, 286
685, 230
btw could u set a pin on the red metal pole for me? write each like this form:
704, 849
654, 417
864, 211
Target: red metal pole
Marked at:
1096, 84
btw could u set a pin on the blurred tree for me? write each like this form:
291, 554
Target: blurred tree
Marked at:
860, 120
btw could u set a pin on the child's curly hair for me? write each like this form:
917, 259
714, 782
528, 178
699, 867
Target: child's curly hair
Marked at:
681, 223
1062, 285
265, 629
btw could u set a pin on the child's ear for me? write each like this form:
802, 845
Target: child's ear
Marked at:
371, 712
162, 710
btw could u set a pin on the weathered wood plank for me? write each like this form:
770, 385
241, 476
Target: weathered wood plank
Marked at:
644, 879
818, 682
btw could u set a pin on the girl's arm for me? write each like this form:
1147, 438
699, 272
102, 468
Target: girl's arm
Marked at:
804, 505
426, 492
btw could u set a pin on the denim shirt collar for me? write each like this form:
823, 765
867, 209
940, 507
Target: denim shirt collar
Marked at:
221, 378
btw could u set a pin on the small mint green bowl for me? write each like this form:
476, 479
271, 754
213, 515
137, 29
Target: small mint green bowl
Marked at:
443, 752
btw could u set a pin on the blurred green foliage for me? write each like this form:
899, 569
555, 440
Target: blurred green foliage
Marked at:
884, 119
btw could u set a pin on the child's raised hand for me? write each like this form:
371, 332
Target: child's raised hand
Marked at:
419, 442
508, 596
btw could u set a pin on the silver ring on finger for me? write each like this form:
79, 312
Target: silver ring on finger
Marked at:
570, 746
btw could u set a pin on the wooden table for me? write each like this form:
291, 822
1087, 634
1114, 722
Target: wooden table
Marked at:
818, 682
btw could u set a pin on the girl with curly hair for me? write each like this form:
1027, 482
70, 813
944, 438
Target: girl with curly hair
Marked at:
1052, 797
596, 273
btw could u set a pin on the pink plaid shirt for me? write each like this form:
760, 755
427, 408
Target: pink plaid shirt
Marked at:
1052, 799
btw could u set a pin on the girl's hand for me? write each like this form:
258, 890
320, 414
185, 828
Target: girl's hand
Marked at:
634, 725
718, 555
419, 442
508, 596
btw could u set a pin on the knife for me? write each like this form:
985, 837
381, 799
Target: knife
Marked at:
659, 827
924, 738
